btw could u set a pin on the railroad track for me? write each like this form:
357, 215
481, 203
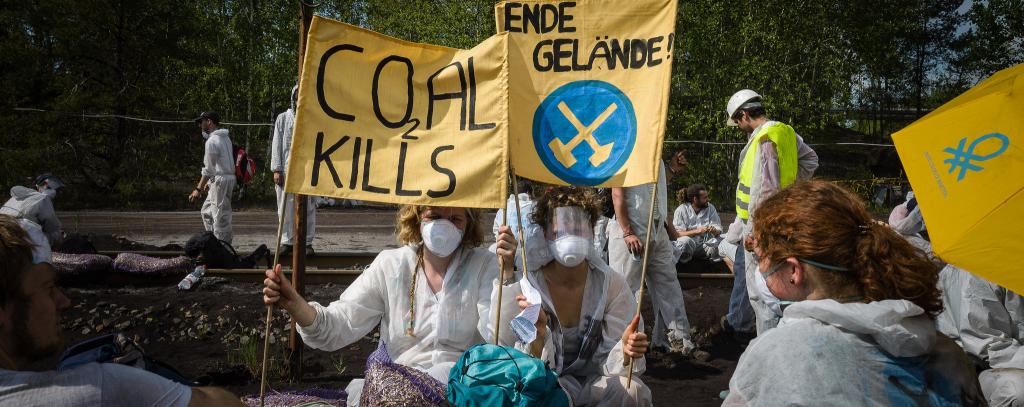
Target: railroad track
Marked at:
334, 267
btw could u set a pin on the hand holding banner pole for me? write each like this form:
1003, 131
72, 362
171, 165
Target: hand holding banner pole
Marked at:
270, 315
501, 284
643, 272
519, 216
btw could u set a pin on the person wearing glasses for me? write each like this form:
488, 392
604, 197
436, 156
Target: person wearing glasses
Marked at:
859, 304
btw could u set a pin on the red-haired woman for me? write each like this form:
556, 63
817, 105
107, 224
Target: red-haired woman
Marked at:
860, 327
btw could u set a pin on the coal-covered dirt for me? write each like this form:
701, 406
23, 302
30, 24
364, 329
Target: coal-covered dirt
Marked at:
214, 333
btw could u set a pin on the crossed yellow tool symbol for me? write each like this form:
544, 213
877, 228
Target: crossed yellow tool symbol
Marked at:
563, 151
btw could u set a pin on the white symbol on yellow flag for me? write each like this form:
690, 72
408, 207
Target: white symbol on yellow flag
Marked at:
563, 151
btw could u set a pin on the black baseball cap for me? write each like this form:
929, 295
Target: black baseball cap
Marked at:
50, 179
208, 115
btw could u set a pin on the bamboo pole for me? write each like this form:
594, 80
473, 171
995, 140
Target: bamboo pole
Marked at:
643, 272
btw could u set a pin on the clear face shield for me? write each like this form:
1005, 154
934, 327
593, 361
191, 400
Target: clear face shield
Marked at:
570, 235
570, 221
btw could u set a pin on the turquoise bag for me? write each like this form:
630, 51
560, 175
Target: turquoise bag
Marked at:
490, 375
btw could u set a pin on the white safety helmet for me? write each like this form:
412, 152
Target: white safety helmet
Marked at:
737, 100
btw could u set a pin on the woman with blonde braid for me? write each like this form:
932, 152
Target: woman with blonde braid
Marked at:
429, 297
859, 325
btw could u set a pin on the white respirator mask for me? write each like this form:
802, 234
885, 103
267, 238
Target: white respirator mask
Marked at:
441, 236
570, 235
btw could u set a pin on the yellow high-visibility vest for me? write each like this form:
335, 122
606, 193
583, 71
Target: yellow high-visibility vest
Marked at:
784, 138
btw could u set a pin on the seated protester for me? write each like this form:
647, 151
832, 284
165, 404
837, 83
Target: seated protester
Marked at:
30, 333
987, 321
430, 298
36, 205
860, 330
698, 225
586, 328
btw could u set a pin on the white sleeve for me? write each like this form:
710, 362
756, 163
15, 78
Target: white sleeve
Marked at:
618, 313
679, 218
277, 145
770, 173
129, 386
987, 323
209, 159
48, 221
716, 221
807, 160
486, 312
352, 316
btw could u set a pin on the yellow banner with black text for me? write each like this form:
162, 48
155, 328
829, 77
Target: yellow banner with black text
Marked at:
571, 93
385, 120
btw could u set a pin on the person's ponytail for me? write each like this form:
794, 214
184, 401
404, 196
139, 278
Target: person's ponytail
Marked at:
891, 268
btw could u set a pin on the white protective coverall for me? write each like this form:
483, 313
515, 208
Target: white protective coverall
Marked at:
883, 353
536, 245
988, 321
280, 151
219, 169
35, 206
766, 183
702, 246
447, 322
662, 282
588, 357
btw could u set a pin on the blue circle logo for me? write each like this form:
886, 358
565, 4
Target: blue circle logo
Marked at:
584, 131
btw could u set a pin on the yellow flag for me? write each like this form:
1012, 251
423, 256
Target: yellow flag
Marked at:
589, 87
964, 161
380, 119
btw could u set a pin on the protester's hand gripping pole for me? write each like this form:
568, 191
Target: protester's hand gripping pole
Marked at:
643, 270
519, 216
270, 315
501, 284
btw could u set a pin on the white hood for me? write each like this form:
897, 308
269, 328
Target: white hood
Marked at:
19, 192
899, 327
219, 132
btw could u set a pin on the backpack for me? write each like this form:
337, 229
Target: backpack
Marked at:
490, 375
117, 348
218, 254
245, 167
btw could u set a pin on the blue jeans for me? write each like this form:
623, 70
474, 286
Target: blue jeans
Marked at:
741, 314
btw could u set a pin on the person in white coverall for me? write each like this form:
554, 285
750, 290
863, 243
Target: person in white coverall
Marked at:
430, 298
218, 177
775, 156
860, 329
988, 322
280, 152
585, 329
626, 234
36, 206
698, 223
